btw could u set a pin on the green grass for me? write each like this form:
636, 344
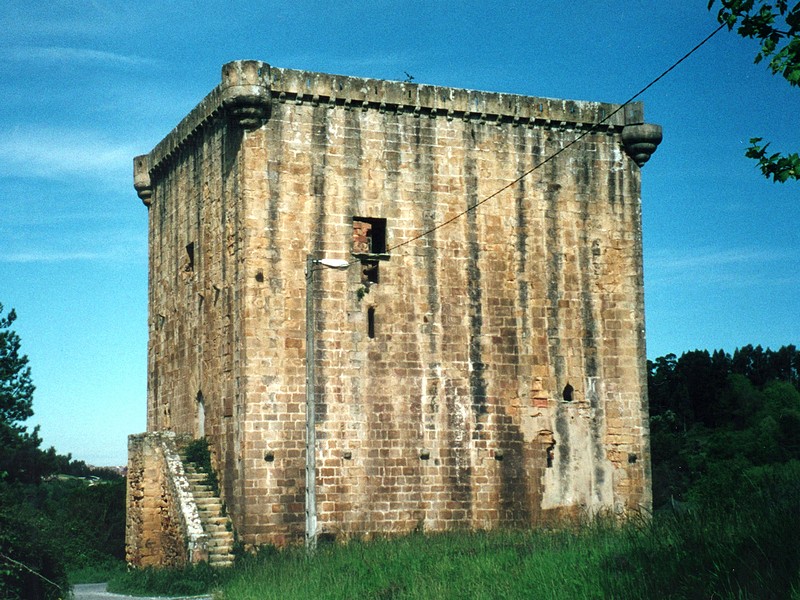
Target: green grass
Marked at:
698, 555
190, 581
744, 549
96, 572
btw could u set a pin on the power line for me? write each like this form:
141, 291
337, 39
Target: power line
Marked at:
592, 129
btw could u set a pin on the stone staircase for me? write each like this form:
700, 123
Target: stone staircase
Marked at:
212, 516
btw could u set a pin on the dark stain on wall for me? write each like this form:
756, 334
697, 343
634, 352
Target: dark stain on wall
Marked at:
274, 140
562, 448
319, 160
522, 223
477, 381
515, 505
554, 272
589, 195
423, 163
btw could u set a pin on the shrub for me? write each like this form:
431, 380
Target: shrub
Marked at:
31, 564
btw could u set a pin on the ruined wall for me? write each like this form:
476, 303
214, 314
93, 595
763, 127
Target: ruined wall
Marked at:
153, 533
441, 388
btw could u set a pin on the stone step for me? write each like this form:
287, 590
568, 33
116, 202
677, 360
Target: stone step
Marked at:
209, 512
216, 529
198, 479
217, 520
212, 501
202, 494
220, 563
216, 525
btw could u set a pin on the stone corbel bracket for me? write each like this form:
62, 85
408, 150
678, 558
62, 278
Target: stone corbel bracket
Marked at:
640, 139
243, 97
245, 92
141, 178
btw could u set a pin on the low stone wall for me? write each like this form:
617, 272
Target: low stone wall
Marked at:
163, 525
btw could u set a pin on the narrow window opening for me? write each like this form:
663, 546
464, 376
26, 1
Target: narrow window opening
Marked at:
550, 453
568, 391
369, 271
189, 257
201, 416
371, 322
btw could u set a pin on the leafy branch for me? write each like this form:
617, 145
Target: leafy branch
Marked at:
777, 27
777, 166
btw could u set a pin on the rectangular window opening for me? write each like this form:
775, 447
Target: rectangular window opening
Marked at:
371, 322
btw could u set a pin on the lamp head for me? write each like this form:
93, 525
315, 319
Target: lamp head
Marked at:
333, 263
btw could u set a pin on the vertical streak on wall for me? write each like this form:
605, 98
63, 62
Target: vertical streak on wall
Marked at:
641, 433
319, 173
590, 198
555, 279
477, 383
523, 234
274, 166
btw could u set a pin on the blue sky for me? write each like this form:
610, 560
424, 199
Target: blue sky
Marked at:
87, 85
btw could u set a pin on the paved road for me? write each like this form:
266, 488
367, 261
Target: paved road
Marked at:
97, 591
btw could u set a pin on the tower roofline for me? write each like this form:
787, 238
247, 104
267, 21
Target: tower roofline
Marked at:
249, 87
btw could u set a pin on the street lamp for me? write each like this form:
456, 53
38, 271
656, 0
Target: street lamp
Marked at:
311, 411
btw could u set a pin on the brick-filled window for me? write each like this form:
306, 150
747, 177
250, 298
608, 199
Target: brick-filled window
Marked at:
369, 235
369, 245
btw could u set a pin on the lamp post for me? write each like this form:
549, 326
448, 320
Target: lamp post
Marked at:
311, 404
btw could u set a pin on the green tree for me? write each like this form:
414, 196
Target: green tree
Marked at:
20, 456
776, 27
16, 387
31, 567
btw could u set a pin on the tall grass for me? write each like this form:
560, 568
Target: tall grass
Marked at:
744, 546
745, 552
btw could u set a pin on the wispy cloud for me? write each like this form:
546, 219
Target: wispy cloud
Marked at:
50, 257
53, 153
119, 253
65, 54
710, 258
722, 268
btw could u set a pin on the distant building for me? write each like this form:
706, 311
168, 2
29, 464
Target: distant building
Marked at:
488, 373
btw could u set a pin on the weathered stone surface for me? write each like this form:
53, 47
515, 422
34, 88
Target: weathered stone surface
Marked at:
440, 387
163, 525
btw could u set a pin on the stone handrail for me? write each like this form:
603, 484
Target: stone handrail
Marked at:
196, 539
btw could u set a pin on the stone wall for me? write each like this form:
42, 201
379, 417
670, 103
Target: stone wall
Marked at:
163, 527
490, 373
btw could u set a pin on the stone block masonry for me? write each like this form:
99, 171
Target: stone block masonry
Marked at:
163, 526
489, 374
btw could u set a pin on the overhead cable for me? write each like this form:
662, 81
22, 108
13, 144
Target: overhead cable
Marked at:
551, 157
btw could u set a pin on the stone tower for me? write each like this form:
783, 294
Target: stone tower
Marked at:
471, 368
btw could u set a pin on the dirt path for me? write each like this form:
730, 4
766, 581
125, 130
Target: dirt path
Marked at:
97, 591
